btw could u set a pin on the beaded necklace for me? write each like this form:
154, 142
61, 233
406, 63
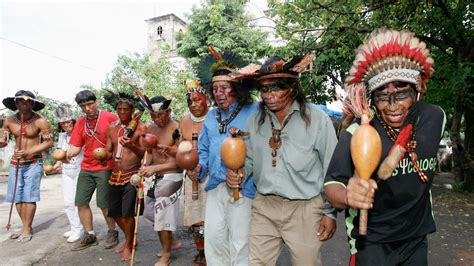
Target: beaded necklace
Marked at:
197, 119
275, 140
92, 132
411, 146
223, 124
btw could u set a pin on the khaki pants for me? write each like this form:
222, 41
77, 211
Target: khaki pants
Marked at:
276, 220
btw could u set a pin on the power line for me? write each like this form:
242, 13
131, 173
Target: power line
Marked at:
47, 54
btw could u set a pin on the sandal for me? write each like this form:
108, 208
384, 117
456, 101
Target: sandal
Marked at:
15, 235
25, 238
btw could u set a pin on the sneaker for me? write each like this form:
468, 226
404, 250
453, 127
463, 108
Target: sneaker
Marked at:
112, 239
73, 238
67, 234
87, 240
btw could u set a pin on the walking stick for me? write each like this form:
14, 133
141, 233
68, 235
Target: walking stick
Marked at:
141, 188
16, 173
137, 218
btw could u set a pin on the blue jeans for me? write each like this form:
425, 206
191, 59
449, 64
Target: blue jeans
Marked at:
28, 186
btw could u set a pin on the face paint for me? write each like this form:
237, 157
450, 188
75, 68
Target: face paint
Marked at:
161, 118
197, 104
393, 103
275, 99
223, 94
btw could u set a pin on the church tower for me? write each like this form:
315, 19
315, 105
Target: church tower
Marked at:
161, 41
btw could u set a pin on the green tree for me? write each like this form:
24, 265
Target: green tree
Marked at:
224, 25
333, 31
153, 79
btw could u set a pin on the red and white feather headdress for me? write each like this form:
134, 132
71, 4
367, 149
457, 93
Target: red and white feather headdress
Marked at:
389, 55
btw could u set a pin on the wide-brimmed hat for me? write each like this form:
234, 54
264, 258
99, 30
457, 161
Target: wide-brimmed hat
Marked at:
275, 67
9, 102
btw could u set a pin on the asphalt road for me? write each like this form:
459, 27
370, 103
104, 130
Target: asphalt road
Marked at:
453, 244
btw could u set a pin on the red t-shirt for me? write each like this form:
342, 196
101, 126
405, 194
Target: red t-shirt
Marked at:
91, 141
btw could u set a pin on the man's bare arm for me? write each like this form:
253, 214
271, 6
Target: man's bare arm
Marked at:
46, 136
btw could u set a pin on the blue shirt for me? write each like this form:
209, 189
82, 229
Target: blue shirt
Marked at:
210, 142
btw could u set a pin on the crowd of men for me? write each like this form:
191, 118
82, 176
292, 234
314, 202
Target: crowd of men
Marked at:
296, 176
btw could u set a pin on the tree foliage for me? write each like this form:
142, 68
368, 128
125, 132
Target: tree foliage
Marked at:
224, 25
153, 79
333, 31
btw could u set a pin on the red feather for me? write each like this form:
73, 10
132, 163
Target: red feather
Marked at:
404, 135
384, 50
368, 57
376, 52
390, 47
412, 53
405, 49
396, 48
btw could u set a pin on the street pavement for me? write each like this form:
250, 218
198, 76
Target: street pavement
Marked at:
48, 247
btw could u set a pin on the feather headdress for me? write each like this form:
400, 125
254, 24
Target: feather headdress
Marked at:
216, 61
275, 67
194, 86
114, 98
389, 55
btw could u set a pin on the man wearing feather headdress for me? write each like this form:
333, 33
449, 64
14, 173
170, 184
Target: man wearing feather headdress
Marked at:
226, 223
389, 76
162, 201
123, 145
289, 147
89, 134
33, 135
190, 125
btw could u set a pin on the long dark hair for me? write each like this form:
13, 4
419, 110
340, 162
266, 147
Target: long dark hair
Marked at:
297, 95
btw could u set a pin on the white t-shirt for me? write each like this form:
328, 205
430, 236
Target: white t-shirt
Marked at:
74, 166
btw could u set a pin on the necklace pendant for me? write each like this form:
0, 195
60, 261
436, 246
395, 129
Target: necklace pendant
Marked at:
222, 129
274, 162
275, 143
274, 153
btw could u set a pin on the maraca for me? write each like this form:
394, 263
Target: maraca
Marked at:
59, 155
99, 154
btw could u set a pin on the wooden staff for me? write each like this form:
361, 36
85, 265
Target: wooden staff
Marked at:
140, 194
149, 141
16, 172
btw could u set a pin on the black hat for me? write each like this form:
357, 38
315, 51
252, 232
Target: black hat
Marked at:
159, 103
9, 102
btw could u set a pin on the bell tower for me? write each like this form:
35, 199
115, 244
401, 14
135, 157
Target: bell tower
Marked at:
161, 40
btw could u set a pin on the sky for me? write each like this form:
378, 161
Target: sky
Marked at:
53, 47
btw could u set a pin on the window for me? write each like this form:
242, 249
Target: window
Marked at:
159, 30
